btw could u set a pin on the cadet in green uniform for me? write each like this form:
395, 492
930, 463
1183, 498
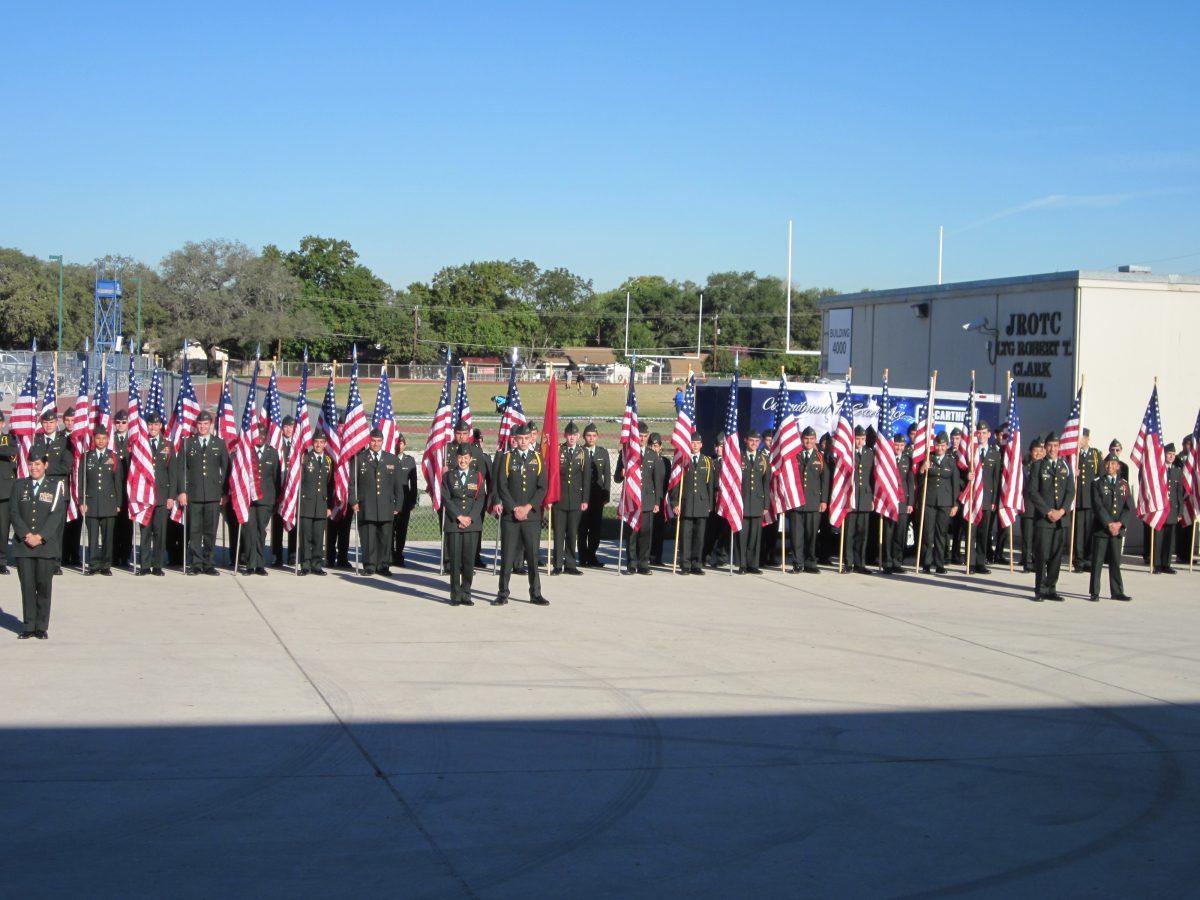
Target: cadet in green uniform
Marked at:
1037, 451
769, 554
756, 474
698, 493
1165, 548
479, 463
1112, 505
658, 533
716, 530
957, 528
941, 503
287, 431
806, 521
406, 475
122, 525
73, 529
521, 489
895, 534
56, 447
464, 499
376, 497
37, 508
1050, 490
314, 506
153, 552
101, 476
200, 472
573, 477
637, 547
858, 519
987, 470
8, 474
1087, 470
253, 533
1185, 532
599, 486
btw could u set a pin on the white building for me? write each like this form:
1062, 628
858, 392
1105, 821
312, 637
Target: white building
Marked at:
1115, 332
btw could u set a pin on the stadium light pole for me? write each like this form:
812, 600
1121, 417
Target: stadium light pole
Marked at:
58, 257
787, 338
137, 348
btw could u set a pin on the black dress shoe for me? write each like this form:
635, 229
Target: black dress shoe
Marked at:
3, 570
539, 600
596, 564
454, 603
277, 564
192, 571
24, 635
644, 572
260, 571
812, 570
741, 570
755, 570
318, 571
1167, 570
1055, 595
1095, 598
1037, 598
925, 570
58, 570
862, 570
899, 570
368, 570
572, 571
385, 572
141, 572
159, 572
981, 570
499, 601
684, 572
796, 570
302, 572
556, 571
519, 570
107, 572
941, 570
89, 572
41, 635
467, 601
1125, 597
696, 570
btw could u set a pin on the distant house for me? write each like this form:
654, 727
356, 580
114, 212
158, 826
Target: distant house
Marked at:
483, 367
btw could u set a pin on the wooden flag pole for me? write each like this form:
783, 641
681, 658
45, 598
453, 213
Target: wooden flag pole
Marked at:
1195, 535
925, 466
1078, 475
970, 438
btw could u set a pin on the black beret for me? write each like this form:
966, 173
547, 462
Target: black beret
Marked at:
69, 412
205, 416
1170, 448
376, 433
982, 423
655, 437
153, 418
720, 438
400, 438
533, 426
954, 432
697, 436
121, 416
461, 425
859, 431
809, 432
1112, 457
589, 428
768, 432
752, 434
49, 415
1087, 432
287, 420
899, 436
643, 428
1113, 443
1050, 437
318, 435
571, 428
520, 431
262, 427
100, 430
464, 450
913, 427
1, 415
42, 457
941, 438
1035, 444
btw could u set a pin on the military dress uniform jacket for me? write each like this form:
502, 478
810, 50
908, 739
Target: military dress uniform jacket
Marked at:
945, 483
8, 467
599, 474
1174, 495
164, 471
520, 481
463, 499
987, 470
376, 487
201, 471
41, 514
1088, 468
652, 483
814, 478
58, 449
1111, 503
699, 488
316, 486
864, 479
270, 475
479, 463
105, 479
1050, 486
573, 476
756, 477
908, 481
406, 475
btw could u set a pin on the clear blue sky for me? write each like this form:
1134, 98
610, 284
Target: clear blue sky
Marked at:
614, 139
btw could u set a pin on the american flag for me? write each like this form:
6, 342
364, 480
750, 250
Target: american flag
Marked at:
441, 433
383, 417
155, 402
1147, 455
244, 487
139, 481
81, 425
514, 413
787, 491
964, 452
355, 436
681, 440
301, 441
183, 419
50, 398
1068, 441
227, 429
462, 406
1012, 481
630, 507
272, 413
729, 488
887, 469
327, 419
841, 495
923, 439
25, 417
101, 411
1191, 478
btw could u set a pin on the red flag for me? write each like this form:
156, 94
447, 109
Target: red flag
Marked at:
549, 446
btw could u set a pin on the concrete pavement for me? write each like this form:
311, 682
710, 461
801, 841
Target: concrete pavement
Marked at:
778, 735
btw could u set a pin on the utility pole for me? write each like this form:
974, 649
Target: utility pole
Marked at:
416, 329
716, 332
59, 259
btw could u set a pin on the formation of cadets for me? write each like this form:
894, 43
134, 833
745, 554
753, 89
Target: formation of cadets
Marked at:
511, 486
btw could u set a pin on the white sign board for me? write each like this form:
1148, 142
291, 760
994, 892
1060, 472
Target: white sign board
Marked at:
838, 326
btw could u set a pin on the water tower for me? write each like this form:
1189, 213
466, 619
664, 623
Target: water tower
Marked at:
107, 326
